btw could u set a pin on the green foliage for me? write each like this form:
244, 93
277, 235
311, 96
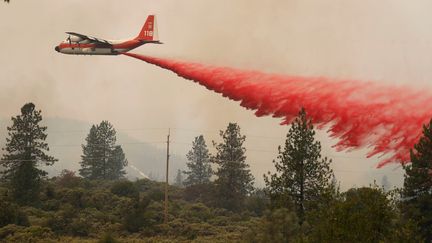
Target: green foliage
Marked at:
199, 168
25, 150
74, 209
302, 176
196, 213
361, 215
205, 193
405, 232
137, 216
19, 234
278, 226
234, 180
101, 158
59, 221
10, 213
257, 202
68, 178
108, 238
87, 210
125, 188
417, 190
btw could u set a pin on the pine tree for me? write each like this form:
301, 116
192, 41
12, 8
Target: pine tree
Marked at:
302, 176
24, 152
90, 158
417, 190
116, 164
101, 158
234, 180
198, 163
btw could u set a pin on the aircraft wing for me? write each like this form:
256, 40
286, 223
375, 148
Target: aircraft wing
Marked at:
91, 39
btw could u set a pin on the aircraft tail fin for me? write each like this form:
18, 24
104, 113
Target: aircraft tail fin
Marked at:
149, 31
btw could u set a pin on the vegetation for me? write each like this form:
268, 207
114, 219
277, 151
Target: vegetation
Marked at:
234, 180
417, 191
300, 204
198, 164
25, 150
302, 176
101, 158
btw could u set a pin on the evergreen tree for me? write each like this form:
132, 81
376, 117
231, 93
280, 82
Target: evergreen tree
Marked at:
198, 163
101, 158
234, 180
178, 181
417, 191
116, 163
91, 155
302, 176
24, 152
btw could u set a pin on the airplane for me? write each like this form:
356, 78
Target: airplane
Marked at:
79, 44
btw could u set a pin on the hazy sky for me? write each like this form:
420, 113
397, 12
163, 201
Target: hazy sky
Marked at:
387, 41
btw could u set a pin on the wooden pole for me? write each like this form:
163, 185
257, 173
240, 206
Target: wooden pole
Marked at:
166, 180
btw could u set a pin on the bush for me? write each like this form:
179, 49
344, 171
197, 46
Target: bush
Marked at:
108, 238
68, 178
14, 233
201, 193
156, 194
197, 212
11, 214
361, 215
73, 197
80, 227
59, 222
280, 225
137, 216
257, 202
125, 189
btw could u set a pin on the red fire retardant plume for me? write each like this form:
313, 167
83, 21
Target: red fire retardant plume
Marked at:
359, 114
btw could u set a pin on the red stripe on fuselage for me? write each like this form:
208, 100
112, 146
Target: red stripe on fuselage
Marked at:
130, 44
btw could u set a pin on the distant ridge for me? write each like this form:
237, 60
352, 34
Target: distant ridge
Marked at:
66, 135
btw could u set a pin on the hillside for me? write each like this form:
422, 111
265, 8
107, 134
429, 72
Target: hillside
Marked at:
65, 137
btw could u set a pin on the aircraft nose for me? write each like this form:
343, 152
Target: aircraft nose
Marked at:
57, 49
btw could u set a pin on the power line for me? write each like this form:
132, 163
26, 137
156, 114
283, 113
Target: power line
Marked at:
161, 129
190, 144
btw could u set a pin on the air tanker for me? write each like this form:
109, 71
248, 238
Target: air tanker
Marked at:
79, 44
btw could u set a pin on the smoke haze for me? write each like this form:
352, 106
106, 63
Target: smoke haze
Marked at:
387, 42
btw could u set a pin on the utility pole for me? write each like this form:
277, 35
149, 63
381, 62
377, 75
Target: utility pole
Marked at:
166, 181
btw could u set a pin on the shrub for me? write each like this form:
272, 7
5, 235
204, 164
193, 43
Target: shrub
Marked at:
125, 188
108, 238
361, 215
280, 225
13, 233
68, 178
137, 216
11, 214
197, 212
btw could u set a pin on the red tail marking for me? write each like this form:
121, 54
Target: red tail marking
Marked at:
147, 32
